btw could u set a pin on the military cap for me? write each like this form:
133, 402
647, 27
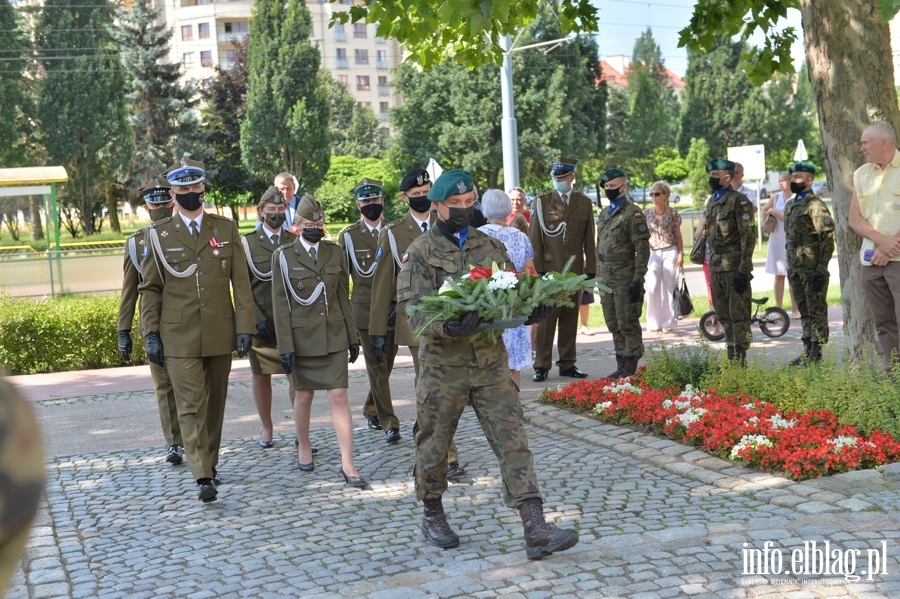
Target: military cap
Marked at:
562, 167
612, 173
367, 189
802, 167
310, 209
271, 196
186, 172
719, 164
156, 191
414, 178
451, 183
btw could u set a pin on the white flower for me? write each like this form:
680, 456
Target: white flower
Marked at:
753, 420
685, 419
601, 407
751, 441
839, 443
667, 403
779, 422
446, 286
502, 280
621, 388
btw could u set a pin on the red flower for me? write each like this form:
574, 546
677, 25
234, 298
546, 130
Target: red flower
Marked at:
480, 272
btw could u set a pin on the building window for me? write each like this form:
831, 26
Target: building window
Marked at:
381, 59
342, 58
344, 80
362, 83
237, 27
203, 31
383, 88
340, 34
363, 105
188, 60
229, 56
361, 56
206, 58
359, 30
612, 79
187, 33
383, 108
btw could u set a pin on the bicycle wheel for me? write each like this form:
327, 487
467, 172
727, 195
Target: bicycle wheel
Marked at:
709, 327
774, 322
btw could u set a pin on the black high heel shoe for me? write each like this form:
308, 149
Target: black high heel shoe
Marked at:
356, 482
306, 467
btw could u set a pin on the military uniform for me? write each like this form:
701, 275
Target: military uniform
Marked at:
559, 230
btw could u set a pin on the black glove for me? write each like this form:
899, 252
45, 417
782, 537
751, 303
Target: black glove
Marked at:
125, 345
244, 341
463, 327
815, 280
153, 345
265, 332
354, 352
392, 315
287, 362
635, 291
540, 313
741, 282
379, 344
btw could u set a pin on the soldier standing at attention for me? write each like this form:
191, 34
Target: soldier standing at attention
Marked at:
191, 270
160, 205
623, 243
258, 247
360, 244
731, 235
809, 229
392, 244
457, 369
315, 330
562, 225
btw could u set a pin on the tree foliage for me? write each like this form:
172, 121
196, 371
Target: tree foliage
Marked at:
346, 171
790, 116
353, 130
286, 124
13, 97
697, 157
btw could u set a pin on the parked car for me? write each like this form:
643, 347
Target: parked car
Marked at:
820, 188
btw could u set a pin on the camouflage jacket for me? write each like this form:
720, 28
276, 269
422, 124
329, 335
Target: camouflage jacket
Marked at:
730, 233
623, 239
809, 229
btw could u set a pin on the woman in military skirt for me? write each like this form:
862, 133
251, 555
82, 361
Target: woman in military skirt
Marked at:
315, 330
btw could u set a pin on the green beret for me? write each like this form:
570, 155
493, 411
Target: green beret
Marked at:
612, 173
272, 196
719, 164
802, 167
451, 183
186, 172
310, 209
367, 189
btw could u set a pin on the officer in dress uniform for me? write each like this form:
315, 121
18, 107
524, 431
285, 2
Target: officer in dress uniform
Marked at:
731, 235
360, 244
809, 230
392, 244
623, 243
562, 226
315, 330
258, 247
160, 205
193, 266
457, 368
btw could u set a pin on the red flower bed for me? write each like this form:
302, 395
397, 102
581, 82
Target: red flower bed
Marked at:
734, 427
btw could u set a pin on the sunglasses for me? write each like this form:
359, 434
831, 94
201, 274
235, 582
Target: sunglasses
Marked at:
654, 194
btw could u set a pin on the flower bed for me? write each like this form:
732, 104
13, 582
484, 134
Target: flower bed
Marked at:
733, 427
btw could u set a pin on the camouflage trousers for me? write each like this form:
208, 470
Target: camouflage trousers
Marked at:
812, 305
732, 309
441, 395
622, 316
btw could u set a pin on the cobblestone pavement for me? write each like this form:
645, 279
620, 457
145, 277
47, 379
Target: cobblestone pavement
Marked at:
656, 519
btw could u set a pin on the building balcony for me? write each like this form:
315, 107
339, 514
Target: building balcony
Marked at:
340, 36
384, 90
232, 38
383, 117
381, 64
343, 63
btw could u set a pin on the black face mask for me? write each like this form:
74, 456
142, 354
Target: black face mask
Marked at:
275, 220
161, 213
715, 183
458, 219
420, 204
611, 194
190, 201
312, 234
797, 187
372, 211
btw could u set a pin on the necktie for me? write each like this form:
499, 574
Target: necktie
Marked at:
275, 240
312, 253
424, 227
375, 233
565, 199
195, 230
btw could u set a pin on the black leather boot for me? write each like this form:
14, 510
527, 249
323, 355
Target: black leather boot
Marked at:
815, 352
629, 366
435, 527
620, 363
802, 359
542, 539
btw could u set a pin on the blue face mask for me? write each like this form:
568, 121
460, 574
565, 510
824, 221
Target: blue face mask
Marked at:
561, 186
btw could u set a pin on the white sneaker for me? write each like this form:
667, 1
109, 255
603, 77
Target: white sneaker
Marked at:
585, 330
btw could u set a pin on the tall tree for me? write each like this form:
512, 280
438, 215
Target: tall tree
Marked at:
82, 103
353, 130
164, 123
13, 47
791, 116
286, 125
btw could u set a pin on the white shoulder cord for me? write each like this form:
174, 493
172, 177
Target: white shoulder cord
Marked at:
160, 256
538, 211
289, 289
132, 253
352, 254
394, 252
262, 276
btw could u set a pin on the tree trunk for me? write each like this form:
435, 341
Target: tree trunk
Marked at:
848, 51
37, 225
112, 209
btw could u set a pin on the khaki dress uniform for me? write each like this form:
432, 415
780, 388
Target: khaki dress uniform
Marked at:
360, 247
560, 230
135, 251
187, 297
258, 250
313, 317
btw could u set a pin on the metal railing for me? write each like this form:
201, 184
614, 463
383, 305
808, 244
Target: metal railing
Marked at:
93, 269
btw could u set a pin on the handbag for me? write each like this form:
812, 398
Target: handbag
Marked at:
681, 298
698, 252
769, 225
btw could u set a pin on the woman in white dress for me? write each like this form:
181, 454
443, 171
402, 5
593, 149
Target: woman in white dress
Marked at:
776, 258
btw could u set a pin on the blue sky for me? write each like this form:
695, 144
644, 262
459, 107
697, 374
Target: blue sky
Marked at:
622, 21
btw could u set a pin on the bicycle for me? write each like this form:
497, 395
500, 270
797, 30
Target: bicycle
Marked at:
774, 321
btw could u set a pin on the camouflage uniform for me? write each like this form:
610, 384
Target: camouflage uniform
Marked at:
623, 246
731, 235
809, 229
458, 369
